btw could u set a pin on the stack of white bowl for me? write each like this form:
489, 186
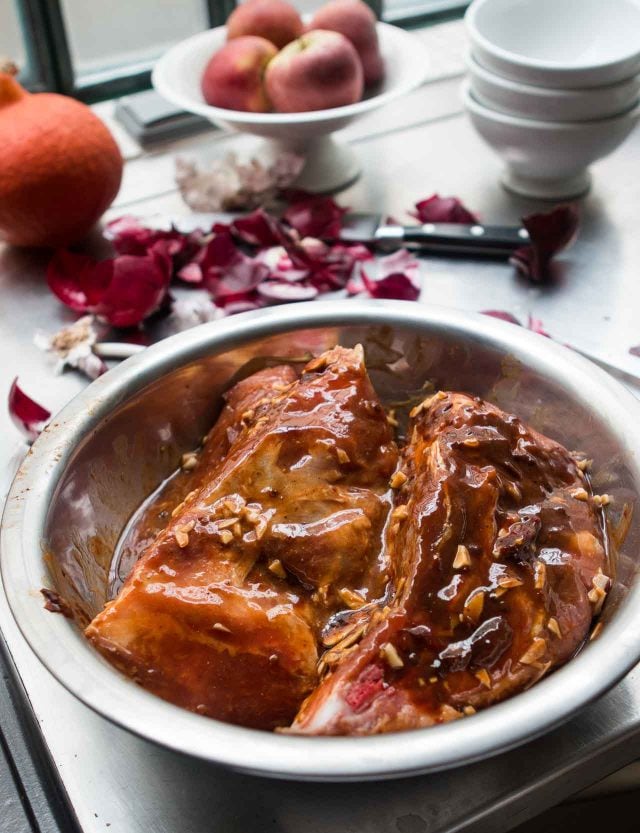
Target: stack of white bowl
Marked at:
553, 85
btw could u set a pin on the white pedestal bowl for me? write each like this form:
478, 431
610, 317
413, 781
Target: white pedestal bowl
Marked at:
329, 165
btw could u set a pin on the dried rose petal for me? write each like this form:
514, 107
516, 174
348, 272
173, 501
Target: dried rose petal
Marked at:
312, 215
437, 209
228, 184
123, 290
28, 416
549, 234
635, 351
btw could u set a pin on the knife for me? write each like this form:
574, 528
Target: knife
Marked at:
477, 240
446, 238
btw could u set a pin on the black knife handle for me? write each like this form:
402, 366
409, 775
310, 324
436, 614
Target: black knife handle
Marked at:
454, 238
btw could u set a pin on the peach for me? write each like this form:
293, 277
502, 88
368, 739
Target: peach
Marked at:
318, 71
355, 20
274, 20
234, 76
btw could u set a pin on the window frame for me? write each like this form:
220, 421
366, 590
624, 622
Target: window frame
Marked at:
50, 66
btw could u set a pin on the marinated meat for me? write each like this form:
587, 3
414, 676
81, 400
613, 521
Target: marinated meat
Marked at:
497, 562
283, 527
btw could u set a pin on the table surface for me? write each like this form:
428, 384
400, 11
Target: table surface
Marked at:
415, 147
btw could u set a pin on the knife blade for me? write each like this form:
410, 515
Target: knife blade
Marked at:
439, 238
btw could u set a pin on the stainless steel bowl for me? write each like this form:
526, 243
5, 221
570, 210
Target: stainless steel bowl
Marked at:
118, 439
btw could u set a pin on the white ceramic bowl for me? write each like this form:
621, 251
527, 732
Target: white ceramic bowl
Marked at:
545, 159
329, 165
557, 43
546, 104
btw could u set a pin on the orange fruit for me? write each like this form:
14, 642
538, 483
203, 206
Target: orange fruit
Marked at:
60, 168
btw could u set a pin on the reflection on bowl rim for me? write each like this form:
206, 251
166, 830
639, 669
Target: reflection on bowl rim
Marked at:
70, 658
165, 88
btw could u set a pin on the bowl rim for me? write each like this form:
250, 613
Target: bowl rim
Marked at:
472, 104
70, 658
160, 80
553, 67
553, 93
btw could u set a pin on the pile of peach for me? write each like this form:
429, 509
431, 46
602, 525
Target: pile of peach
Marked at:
327, 63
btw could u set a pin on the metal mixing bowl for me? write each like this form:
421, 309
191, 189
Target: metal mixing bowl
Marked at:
118, 439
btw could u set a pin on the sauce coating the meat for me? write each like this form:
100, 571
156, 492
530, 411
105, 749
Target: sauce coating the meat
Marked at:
284, 521
304, 573
497, 557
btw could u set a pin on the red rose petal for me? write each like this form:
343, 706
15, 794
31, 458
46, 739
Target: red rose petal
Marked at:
536, 326
137, 287
398, 278
312, 215
257, 229
191, 273
533, 324
229, 274
437, 209
502, 315
28, 416
549, 234
73, 279
236, 307
398, 286
123, 290
130, 237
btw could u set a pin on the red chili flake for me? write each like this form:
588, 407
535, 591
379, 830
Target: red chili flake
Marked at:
312, 215
123, 290
549, 234
362, 692
437, 209
27, 415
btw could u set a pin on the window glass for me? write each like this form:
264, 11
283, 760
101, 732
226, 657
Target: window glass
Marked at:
103, 35
396, 10
11, 40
